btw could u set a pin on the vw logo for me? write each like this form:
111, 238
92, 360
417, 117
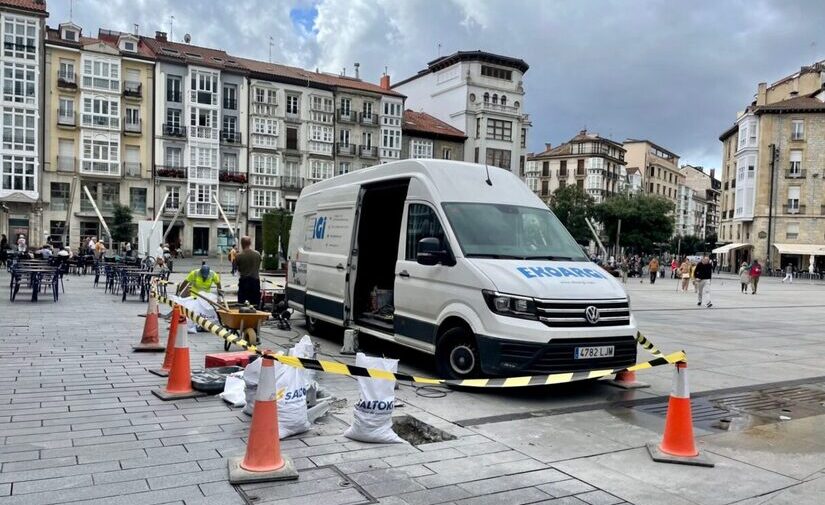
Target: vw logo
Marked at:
591, 313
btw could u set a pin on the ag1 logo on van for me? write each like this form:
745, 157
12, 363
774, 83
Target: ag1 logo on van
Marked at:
319, 228
532, 272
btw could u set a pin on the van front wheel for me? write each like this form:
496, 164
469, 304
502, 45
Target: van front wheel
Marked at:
312, 325
457, 355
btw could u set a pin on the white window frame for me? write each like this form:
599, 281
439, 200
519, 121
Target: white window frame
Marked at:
320, 170
420, 148
102, 74
19, 83
17, 173
19, 130
22, 32
100, 111
293, 104
797, 129
265, 164
100, 153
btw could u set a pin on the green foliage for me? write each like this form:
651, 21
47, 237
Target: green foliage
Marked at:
122, 224
692, 244
646, 220
572, 205
275, 226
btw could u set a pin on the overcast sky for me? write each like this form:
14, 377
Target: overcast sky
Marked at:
673, 72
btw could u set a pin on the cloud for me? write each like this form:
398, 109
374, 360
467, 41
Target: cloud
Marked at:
674, 72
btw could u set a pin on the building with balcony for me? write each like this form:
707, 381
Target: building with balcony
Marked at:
659, 168
200, 143
98, 103
426, 136
593, 163
481, 94
772, 203
21, 27
697, 203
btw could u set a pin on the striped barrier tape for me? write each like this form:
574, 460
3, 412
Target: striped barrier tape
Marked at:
334, 367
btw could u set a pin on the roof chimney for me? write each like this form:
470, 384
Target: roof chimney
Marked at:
713, 173
357, 67
762, 94
161, 36
385, 81
548, 146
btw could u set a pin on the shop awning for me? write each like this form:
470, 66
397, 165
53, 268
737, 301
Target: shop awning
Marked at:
729, 248
811, 249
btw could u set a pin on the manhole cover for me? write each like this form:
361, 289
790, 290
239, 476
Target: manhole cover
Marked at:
417, 432
323, 484
705, 414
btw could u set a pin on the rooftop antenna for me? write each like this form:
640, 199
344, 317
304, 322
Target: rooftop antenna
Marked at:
488, 181
137, 29
71, 9
171, 25
439, 49
271, 42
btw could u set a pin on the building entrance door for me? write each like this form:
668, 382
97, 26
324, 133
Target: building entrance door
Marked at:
200, 241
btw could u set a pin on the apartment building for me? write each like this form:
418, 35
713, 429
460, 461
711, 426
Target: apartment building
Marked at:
21, 207
772, 202
593, 163
697, 202
658, 166
97, 123
200, 143
481, 94
426, 136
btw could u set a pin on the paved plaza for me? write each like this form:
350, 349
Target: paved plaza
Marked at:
79, 424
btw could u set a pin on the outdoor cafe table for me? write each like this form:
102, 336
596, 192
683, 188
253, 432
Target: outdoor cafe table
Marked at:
36, 275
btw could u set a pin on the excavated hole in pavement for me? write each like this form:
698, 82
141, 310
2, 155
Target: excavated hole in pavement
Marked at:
417, 432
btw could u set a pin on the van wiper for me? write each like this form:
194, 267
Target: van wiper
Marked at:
494, 256
558, 258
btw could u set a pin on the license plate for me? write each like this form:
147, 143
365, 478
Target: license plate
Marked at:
602, 351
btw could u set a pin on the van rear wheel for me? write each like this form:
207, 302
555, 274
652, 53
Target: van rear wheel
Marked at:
312, 325
457, 355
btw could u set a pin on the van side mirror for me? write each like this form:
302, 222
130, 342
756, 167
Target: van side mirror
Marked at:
430, 252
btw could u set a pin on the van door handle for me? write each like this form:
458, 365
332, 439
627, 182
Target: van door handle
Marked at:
339, 266
404, 273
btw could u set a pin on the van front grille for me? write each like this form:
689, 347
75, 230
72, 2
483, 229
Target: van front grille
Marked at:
572, 314
558, 355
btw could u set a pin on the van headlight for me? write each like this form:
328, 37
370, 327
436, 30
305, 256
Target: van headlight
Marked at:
510, 305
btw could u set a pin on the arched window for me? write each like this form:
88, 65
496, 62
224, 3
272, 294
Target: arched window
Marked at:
503, 99
495, 98
486, 97
516, 104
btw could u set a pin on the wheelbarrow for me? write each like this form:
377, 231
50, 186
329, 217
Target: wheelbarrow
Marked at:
244, 321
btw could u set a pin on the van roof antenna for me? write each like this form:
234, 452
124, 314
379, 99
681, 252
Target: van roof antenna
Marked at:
488, 181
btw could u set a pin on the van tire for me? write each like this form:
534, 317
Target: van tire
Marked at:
312, 325
456, 355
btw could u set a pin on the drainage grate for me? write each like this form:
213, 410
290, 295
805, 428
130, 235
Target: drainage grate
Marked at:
321, 484
744, 409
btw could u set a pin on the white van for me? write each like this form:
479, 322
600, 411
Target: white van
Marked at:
457, 260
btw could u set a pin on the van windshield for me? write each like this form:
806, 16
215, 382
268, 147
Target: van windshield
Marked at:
501, 231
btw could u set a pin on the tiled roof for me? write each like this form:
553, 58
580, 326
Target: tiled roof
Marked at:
194, 55
26, 5
427, 125
797, 104
633, 170
110, 39
324, 79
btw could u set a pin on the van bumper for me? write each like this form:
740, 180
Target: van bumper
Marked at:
500, 357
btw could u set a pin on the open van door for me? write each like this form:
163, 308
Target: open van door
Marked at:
328, 235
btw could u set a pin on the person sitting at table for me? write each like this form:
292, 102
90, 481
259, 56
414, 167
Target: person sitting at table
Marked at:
193, 291
45, 252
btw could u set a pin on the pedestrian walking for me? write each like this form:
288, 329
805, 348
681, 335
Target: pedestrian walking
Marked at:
4, 246
703, 273
232, 256
624, 267
756, 273
788, 274
653, 269
744, 277
674, 266
684, 273
249, 266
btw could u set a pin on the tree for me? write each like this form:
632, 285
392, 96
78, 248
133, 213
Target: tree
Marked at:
276, 227
646, 220
687, 244
572, 206
122, 224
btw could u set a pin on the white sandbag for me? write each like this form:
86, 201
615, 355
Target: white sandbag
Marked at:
233, 390
198, 306
305, 349
372, 419
250, 378
292, 406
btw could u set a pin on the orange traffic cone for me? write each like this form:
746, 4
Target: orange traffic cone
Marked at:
263, 461
179, 384
150, 341
163, 371
626, 379
678, 445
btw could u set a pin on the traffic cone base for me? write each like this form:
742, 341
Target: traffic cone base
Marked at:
150, 341
165, 395
238, 475
656, 454
627, 380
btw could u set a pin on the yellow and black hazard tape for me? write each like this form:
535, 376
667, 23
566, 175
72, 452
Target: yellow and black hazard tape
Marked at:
357, 371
